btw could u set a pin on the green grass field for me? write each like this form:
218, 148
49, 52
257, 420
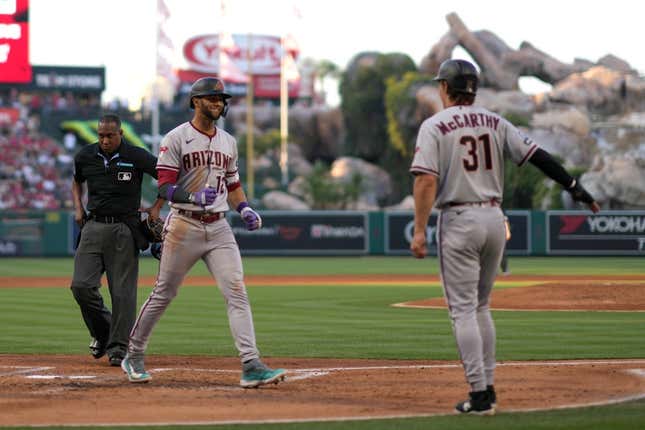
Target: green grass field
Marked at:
348, 322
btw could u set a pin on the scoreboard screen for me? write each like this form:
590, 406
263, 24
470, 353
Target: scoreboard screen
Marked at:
14, 41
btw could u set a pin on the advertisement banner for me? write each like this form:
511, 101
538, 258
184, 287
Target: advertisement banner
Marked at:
9, 115
21, 234
583, 233
14, 41
308, 233
520, 241
75, 79
399, 229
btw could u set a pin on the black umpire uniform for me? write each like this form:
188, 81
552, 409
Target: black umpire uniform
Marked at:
110, 239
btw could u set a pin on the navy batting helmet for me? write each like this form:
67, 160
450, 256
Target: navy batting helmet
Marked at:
461, 76
208, 87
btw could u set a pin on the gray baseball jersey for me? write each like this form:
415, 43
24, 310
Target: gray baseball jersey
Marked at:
473, 172
199, 159
465, 146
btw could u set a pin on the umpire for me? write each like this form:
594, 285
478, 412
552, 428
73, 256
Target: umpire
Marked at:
110, 237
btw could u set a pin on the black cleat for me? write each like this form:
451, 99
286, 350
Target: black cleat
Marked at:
116, 359
97, 348
479, 403
492, 395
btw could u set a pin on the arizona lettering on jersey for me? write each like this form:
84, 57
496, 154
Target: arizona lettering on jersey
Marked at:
200, 159
203, 158
474, 166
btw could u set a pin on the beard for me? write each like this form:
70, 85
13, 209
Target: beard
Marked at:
213, 114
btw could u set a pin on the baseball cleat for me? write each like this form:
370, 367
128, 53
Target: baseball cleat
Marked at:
492, 395
479, 403
134, 369
97, 348
257, 373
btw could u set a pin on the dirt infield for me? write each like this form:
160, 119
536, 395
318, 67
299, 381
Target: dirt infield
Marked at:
50, 390
558, 296
58, 390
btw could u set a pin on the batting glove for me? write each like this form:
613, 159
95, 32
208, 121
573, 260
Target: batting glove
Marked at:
204, 197
250, 217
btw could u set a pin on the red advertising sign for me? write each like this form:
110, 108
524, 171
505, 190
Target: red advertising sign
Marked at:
204, 52
14, 41
9, 115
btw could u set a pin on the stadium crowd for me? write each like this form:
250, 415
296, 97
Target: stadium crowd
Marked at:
35, 170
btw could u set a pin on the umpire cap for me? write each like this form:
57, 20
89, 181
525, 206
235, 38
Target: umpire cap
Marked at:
461, 76
207, 87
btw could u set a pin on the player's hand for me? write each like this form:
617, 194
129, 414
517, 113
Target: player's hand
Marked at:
418, 245
80, 217
579, 194
594, 207
204, 197
153, 212
251, 218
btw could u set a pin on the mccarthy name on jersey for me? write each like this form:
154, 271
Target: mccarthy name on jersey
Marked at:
468, 120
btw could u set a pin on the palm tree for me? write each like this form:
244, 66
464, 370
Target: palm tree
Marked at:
326, 69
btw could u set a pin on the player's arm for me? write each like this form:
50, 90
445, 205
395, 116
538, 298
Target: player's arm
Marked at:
554, 170
154, 210
237, 200
236, 197
425, 191
80, 216
149, 164
171, 191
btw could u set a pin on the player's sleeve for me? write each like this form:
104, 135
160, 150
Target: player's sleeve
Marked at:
169, 153
426, 152
78, 170
232, 175
149, 163
517, 145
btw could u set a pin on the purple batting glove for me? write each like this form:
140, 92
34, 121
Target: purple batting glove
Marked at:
250, 217
204, 197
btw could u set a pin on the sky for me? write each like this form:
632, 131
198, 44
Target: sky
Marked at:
120, 34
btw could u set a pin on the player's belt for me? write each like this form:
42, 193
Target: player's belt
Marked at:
483, 204
205, 217
106, 219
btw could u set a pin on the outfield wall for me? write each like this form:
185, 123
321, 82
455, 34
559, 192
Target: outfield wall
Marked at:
53, 233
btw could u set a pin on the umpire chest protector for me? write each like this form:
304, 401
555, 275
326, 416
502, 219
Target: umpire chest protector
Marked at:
113, 181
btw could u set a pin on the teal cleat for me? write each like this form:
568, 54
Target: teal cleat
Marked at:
256, 373
133, 367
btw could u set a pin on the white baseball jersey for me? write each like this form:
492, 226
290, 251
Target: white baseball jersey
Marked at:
200, 159
473, 170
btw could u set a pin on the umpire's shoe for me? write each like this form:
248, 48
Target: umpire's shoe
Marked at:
97, 348
133, 367
116, 359
479, 403
256, 373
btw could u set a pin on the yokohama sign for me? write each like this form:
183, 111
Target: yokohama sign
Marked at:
608, 233
14, 41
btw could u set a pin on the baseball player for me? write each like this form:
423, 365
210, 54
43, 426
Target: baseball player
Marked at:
458, 167
198, 173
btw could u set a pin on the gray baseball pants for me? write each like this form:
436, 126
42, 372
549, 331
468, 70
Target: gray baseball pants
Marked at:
471, 243
186, 240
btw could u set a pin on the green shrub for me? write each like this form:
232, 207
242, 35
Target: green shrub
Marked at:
325, 192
